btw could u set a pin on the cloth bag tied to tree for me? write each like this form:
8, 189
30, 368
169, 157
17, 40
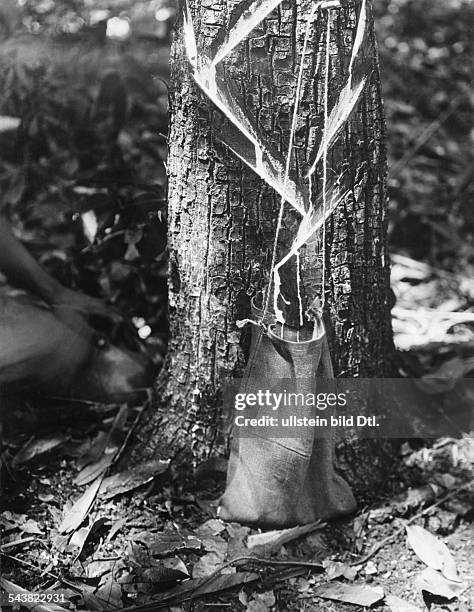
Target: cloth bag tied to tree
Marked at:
284, 481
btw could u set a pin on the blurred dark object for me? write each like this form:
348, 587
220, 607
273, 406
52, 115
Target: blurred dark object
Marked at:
114, 373
40, 352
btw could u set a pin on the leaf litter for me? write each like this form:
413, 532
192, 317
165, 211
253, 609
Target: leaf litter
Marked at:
174, 560
432, 551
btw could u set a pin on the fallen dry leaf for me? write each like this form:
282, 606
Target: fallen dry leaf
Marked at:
38, 446
237, 536
435, 583
110, 593
214, 544
227, 581
163, 574
446, 480
123, 482
90, 450
116, 527
79, 537
370, 569
202, 586
10, 521
96, 568
75, 515
358, 594
336, 569
167, 543
31, 527
432, 551
208, 564
261, 602
270, 541
94, 470
400, 605
175, 563
211, 527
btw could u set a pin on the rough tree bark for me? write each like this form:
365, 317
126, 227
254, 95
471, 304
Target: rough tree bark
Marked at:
222, 220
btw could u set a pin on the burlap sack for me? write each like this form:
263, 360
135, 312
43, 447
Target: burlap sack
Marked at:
286, 481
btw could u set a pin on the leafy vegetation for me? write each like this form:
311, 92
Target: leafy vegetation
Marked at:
84, 177
425, 50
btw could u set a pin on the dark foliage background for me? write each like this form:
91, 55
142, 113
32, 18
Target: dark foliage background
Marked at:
426, 51
83, 179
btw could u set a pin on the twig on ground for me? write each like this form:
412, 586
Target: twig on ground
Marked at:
250, 558
20, 543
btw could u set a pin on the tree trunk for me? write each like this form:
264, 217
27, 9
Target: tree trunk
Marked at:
222, 219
